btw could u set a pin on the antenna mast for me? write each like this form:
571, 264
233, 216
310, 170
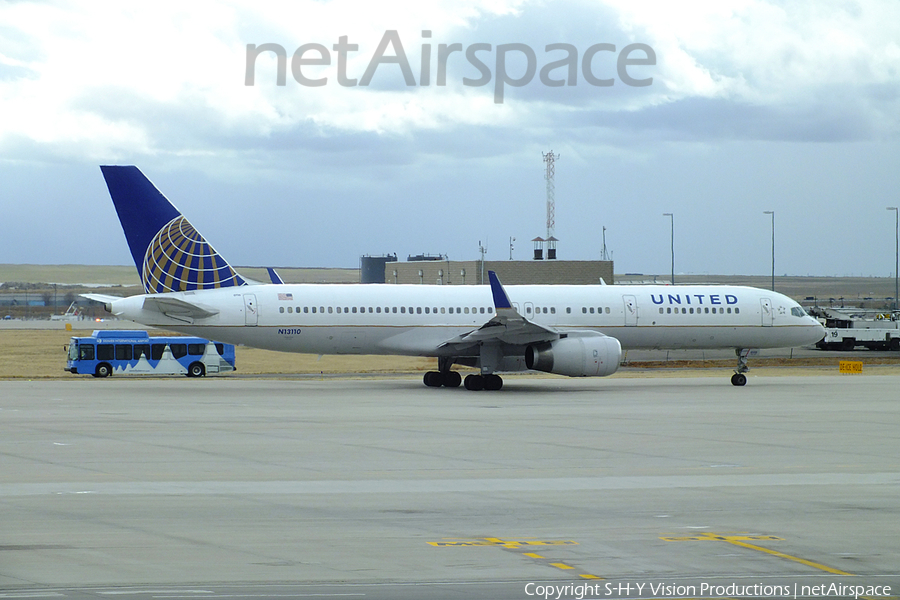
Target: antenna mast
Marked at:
549, 175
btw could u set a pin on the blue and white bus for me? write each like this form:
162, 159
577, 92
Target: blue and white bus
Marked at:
105, 353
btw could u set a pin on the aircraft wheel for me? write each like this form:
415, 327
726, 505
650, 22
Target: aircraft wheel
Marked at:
895, 344
474, 382
738, 379
452, 379
432, 379
493, 382
103, 370
196, 370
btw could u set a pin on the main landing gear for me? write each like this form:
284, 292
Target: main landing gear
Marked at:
472, 382
437, 379
447, 378
739, 378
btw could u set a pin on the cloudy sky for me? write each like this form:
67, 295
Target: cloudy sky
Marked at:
754, 105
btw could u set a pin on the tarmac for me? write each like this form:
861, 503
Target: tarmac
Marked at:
382, 488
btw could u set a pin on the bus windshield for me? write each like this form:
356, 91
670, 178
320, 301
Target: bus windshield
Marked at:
73, 349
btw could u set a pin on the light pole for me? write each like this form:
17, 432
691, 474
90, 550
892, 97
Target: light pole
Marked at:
772, 212
896, 253
672, 238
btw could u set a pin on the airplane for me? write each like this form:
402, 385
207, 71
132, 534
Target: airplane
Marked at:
574, 330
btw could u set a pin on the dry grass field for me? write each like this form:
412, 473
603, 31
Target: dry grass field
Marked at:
34, 354
41, 354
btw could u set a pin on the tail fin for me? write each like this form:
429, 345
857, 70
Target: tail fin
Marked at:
170, 255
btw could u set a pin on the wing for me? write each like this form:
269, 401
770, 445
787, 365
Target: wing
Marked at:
506, 327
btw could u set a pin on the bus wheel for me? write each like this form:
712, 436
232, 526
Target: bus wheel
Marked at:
196, 370
103, 370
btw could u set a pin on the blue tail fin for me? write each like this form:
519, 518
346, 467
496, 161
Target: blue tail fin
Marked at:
170, 255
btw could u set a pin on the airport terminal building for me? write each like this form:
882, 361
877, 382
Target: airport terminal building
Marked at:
441, 271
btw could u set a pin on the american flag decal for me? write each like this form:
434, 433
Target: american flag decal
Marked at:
285, 296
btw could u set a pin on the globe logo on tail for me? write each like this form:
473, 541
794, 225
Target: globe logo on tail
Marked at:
179, 259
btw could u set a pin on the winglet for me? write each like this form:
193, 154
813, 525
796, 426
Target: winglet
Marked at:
501, 300
274, 277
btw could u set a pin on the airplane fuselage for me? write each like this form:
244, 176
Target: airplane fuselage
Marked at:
417, 319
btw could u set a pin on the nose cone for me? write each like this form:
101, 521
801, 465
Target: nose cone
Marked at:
816, 331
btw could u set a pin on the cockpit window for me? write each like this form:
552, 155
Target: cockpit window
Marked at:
798, 312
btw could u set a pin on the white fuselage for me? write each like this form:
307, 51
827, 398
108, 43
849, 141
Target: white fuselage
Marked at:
417, 319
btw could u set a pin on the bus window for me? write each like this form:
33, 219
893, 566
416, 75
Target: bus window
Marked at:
86, 352
123, 351
141, 350
157, 351
196, 349
220, 348
105, 352
178, 350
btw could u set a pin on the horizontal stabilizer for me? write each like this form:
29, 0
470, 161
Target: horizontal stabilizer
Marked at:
178, 309
102, 298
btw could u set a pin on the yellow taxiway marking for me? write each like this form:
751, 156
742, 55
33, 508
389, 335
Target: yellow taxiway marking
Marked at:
516, 545
511, 544
741, 539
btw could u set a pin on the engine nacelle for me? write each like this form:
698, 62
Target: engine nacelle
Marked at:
576, 356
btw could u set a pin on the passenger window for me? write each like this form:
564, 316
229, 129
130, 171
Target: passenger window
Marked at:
418, 310
584, 310
330, 310
156, 351
394, 310
339, 310
123, 352
736, 310
403, 309
354, 310
552, 310
321, 309
346, 309
196, 349
220, 348
281, 309
86, 352
427, 311
290, 309
141, 350
729, 310
592, 310
660, 310
410, 310
178, 350
692, 311
467, 310
378, 309
568, 310
528, 310
434, 309
105, 352
607, 310
306, 309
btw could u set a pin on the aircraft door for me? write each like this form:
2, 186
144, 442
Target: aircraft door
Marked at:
251, 310
631, 311
529, 310
768, 315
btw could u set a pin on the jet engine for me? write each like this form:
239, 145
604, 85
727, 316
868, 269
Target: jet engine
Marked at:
590, 355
